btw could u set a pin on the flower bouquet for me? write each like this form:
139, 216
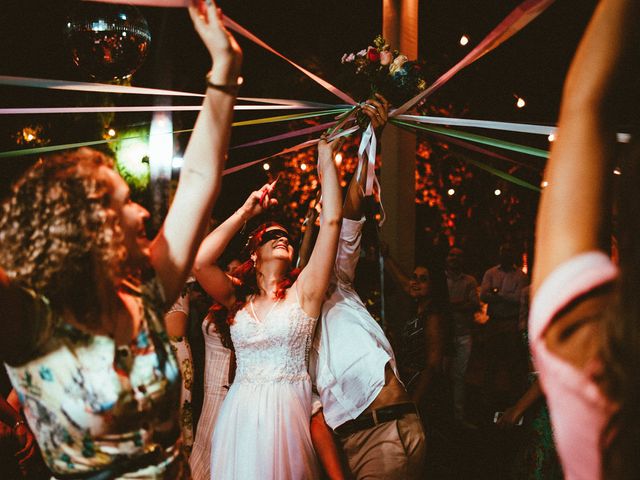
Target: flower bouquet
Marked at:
386, 72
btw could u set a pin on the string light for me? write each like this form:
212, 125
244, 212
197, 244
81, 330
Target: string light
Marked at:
552, 137
266, 166
111, 132
497, 192
544, 184
338, 158
303, 166
520, 103
464, 40
617, 171
451, 192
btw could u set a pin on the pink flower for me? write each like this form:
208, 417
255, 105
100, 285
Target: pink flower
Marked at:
348, 58
386, 57
372, 54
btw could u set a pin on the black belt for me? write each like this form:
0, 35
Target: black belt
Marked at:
371, 419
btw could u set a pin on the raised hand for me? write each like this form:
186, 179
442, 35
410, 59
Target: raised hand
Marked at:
225, 52
377, 109
259, 201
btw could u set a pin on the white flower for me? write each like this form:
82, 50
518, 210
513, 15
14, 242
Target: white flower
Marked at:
397, 64
362, 52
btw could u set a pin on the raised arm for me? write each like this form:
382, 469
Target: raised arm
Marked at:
574, 204
396, 272
314, 279
377, 110
210, 276
174, 249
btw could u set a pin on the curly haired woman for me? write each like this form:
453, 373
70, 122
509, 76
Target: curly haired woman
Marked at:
83, 292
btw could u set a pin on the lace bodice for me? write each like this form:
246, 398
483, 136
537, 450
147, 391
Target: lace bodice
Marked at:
275, 349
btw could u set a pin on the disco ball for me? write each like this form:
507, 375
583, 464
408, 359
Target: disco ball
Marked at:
108, 42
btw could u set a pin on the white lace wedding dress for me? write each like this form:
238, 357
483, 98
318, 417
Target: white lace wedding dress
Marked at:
262, 430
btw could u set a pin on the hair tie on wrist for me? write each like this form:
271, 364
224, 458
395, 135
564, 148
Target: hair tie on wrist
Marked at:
225, 87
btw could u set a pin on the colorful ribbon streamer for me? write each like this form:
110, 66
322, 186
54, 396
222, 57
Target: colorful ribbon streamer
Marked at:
494, 171
488, 124
284, 118
300, 146
55, 148
284, 136
130, 109
536, 152
69, 85
512, 24
247, 34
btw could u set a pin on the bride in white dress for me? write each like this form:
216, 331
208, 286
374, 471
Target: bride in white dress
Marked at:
262, 430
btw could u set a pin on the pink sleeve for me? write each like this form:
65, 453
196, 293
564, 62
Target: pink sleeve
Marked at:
569, 281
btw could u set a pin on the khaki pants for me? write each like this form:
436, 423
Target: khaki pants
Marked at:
392, 450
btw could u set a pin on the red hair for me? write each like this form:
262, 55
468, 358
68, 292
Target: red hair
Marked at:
246, 283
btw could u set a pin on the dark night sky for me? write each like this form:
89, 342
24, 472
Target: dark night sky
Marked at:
315, 34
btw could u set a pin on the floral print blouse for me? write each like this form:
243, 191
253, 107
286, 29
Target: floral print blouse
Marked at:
92, 405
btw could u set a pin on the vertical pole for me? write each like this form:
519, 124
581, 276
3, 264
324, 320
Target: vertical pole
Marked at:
400, 29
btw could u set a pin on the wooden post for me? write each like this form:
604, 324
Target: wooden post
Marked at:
400, 28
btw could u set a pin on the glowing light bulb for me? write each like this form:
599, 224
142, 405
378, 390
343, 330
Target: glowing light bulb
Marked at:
464, 40
111, 132
497, 192
520, 103
30, 137
544, 184
338, 158
617, 171
303, 166
552, 137
451, 192
266, 166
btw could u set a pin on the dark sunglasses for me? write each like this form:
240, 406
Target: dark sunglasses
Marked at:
273, 235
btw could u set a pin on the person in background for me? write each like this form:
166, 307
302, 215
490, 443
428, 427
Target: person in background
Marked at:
584, 324
219, 366
463, 304
83, 292
506, 360
422, 335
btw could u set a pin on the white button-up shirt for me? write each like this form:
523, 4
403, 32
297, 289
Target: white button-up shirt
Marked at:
350, 350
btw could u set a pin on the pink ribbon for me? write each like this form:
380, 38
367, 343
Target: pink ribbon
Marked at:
295, 148
247, 34
284, 136
512, 24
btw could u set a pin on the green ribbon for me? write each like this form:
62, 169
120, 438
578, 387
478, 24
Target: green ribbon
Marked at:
284, 118
257, 121
472, 137
69, 146
482, 166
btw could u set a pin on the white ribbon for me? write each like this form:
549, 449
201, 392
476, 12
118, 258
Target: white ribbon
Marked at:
368, 145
